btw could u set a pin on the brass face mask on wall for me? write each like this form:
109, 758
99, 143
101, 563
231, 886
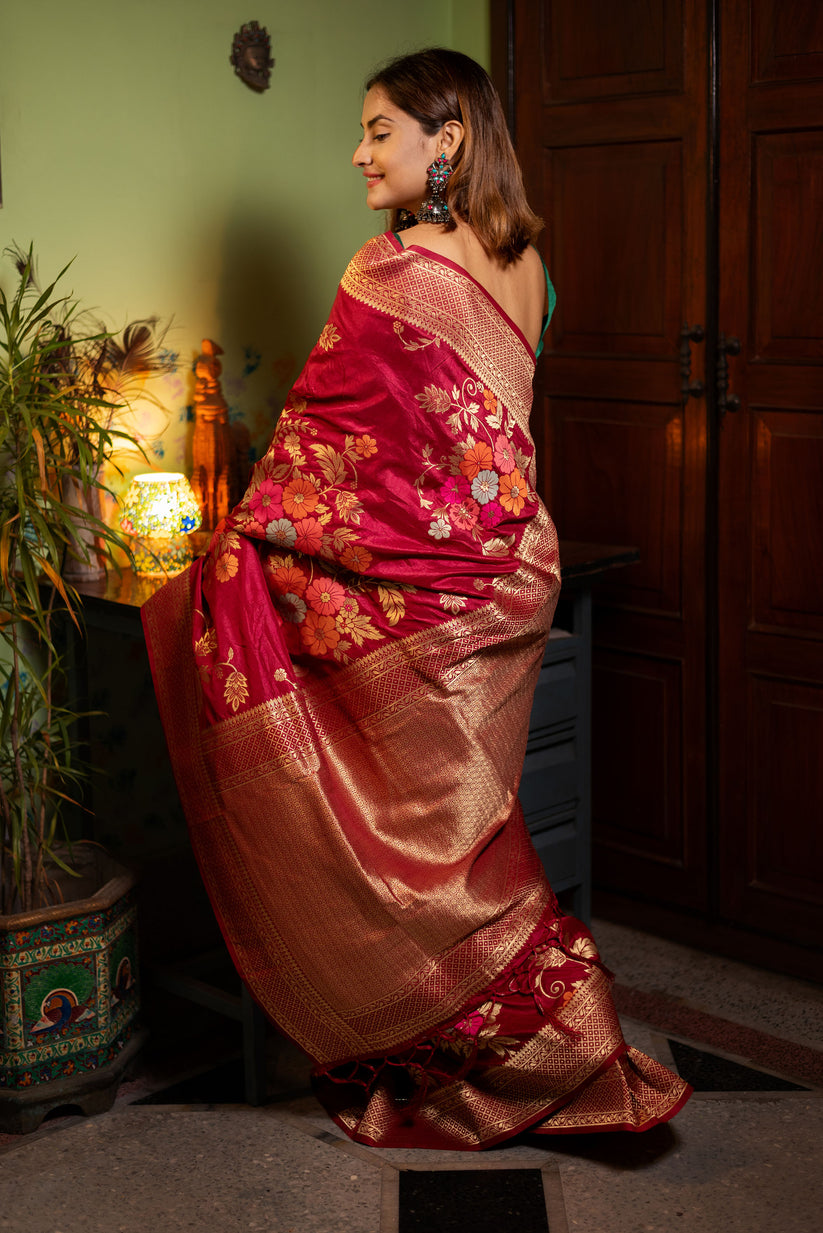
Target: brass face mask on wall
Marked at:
251, 55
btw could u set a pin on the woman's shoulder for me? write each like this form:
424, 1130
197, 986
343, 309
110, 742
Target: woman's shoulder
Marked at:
530, 264
464, 248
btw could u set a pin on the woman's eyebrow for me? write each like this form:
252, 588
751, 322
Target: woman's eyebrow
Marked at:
376, 120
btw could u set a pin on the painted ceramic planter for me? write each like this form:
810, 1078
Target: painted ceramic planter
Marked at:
68, 987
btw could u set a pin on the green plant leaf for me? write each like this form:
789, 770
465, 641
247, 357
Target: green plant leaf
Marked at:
61, 393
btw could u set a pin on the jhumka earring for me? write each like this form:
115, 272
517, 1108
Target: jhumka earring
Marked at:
405, 219
434, 208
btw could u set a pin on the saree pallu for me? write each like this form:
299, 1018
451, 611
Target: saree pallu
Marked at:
345, 680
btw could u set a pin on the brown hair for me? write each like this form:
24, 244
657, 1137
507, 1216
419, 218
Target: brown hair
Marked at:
486, 187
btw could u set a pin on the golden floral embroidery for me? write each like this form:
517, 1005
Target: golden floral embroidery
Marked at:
292, 445
500, 546
546, 959
322, 513
453, 603
206, 644
584, 947
328, 337
348, 507
421, 342
434, 399
479, 1031
340, 538
236, 689
462, 402
392, 601
355, 624
331, 463
224, 541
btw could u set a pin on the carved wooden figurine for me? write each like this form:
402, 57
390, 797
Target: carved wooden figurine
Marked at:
214, 453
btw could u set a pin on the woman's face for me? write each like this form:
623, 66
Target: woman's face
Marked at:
393, 155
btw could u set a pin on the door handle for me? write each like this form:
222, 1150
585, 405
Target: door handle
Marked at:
725, 400
688, 335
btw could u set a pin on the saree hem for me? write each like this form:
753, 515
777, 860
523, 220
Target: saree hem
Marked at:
540, 1049
419, 1135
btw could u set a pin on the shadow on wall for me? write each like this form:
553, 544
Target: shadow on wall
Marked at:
268, 319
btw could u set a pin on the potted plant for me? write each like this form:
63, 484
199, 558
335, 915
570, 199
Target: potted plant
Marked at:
68, 992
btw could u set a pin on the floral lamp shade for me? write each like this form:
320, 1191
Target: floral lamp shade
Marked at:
159, 511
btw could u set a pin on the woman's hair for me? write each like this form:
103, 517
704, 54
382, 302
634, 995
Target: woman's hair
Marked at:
486, 187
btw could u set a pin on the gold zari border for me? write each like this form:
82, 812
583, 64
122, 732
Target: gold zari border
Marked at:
555, 1083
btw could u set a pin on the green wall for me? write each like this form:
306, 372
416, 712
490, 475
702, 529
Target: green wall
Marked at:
127, 143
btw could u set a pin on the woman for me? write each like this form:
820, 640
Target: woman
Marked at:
346, 677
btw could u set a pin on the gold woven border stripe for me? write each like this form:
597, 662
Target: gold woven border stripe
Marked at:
445, 302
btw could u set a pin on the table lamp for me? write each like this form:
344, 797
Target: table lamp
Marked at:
159, 511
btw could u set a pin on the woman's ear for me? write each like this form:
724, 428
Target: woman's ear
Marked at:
451, 137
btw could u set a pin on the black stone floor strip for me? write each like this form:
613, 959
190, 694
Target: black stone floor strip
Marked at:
709, 1073
457, 1200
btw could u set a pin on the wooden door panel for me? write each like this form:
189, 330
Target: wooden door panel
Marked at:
617, 252
611, 131
787, 523
601, 444
596, 48
638, 759
643, 795
787, 40
787, 290
770, 456
783, 860
612, 118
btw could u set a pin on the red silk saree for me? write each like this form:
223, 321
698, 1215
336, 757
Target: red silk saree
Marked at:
345, 680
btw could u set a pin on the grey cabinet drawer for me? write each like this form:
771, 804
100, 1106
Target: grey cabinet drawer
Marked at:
554, 788
559, 849
555, 698
550, 778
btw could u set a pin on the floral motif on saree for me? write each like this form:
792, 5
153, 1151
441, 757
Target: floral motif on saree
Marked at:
345, 680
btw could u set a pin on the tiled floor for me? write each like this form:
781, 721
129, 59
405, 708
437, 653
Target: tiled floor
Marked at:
181, 1152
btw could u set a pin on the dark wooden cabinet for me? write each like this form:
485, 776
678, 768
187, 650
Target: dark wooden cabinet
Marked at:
675, 150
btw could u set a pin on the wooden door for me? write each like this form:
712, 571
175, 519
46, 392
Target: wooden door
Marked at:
611, 128
770, 505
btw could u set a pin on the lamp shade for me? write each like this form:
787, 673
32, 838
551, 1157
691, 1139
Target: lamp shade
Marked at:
159, 510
